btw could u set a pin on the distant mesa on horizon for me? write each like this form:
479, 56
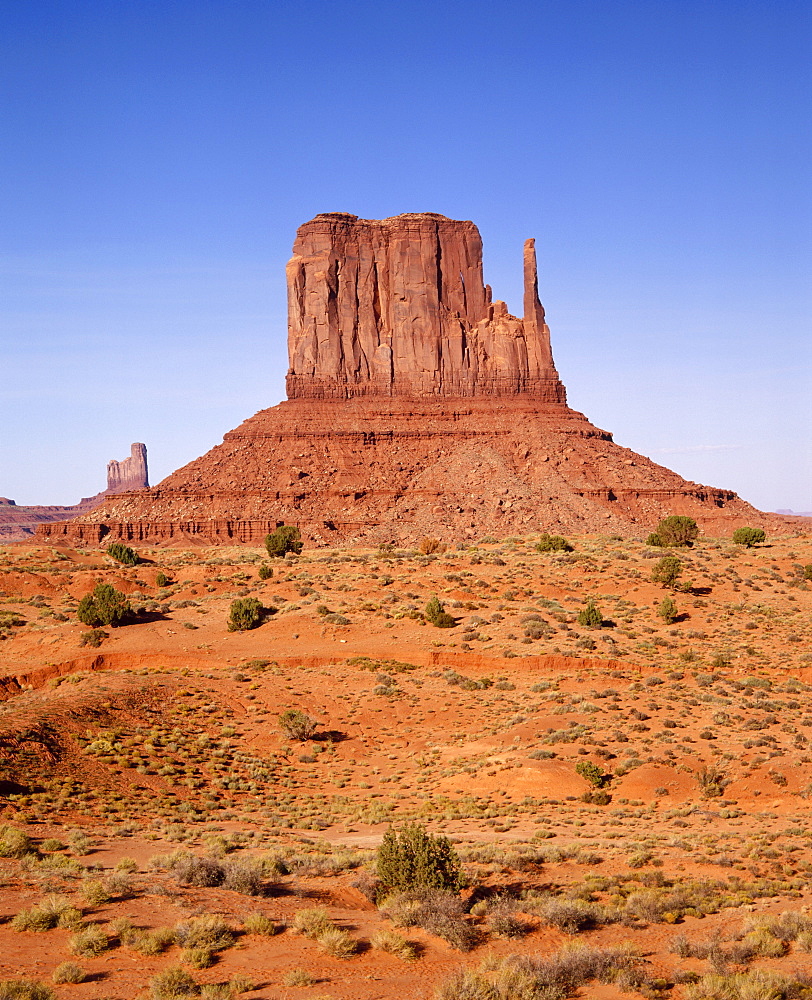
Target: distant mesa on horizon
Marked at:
795, 513
418, 406
20, 522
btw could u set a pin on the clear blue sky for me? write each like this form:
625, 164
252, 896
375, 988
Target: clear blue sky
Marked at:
157, 157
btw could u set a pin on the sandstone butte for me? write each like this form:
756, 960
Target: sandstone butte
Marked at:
417, 406
20, 522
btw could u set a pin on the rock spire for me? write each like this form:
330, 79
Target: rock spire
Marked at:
131, 473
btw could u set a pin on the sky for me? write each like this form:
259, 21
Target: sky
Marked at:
156, 159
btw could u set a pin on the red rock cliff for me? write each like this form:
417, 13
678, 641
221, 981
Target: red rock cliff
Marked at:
397, 307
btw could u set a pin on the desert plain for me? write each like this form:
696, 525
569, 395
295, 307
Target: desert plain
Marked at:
163, 835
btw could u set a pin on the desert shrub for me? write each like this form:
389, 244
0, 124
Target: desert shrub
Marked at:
436, 911
758, 984
748, 537
590, 616
265, 571
668, 610
94, 638
312, 921
297, 977
189, 869
245, 875
14, 843
162, 580
436, 614
504, 920
285, 539
394, 944
297, 725
54, 911
712, 781
550, 978
104, 606
666, 571
596, 797
25, 989
172, 983
153, 942
122, 553
414, 858
674, 531
464, 984
69, 972
428, 546
199, 958
258, 923
91, 940
338, 943
94, 892
207, 931
573, 915
786, 926
807, 574
552, 543
593, 773
245, 613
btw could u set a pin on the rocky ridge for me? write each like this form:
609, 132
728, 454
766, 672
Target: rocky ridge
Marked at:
417, 406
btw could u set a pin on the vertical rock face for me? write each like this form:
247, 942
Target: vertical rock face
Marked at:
131, 474
397, 307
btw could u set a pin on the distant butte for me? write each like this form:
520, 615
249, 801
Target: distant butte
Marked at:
19, 523
416, 406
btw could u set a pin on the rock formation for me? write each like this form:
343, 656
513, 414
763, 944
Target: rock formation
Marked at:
131, 474
416, 406
18, 523
399, 308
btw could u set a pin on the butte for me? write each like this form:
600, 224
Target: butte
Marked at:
417, 406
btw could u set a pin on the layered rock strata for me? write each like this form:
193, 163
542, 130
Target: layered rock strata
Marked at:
417, 406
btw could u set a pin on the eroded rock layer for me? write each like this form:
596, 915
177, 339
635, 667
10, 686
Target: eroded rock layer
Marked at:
417, 407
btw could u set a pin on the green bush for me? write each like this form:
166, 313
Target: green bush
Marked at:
674, 531
553, 543
285, 539
808, 571
122, 553
667, 570
668, 610
414, 858
748, 537
162, 580
104, 606
590, 616
436, 614
265, 572
245, 613
297, 725
593, 773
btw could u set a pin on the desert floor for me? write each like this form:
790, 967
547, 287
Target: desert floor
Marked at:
134, 770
